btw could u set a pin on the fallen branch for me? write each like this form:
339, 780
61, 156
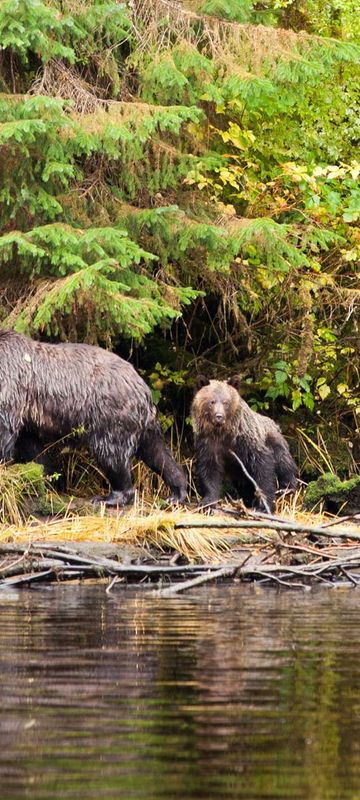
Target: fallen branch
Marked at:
65, 558
204, 573
115, 579
258, 515
29, 578
35, 565
295, 527
270, 572
247, 512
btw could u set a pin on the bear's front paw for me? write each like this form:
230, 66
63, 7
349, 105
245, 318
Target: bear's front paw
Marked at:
208, 505
116, 499
177, 499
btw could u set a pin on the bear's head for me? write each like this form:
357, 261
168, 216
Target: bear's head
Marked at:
216, 406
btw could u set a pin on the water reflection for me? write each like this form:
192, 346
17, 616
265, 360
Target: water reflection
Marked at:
235, 693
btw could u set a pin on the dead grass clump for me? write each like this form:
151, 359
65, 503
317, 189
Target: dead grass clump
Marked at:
156, 530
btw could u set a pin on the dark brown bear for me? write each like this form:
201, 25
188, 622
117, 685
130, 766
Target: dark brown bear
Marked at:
223, 422
47, 391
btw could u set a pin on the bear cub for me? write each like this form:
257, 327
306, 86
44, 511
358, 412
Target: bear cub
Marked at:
224, 424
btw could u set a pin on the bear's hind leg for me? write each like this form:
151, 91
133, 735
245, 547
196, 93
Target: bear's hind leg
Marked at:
113, 456
153, 451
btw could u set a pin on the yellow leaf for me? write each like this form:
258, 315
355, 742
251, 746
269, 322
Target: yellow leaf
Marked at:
342, 388
324, 390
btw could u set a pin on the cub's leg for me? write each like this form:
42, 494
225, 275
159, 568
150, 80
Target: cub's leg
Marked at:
265, 476
208, 475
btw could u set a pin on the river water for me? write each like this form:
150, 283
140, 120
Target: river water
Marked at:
235, 692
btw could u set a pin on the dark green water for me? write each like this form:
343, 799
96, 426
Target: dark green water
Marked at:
236, 692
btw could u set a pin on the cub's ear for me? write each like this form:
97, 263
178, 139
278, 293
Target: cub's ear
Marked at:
236, 382
201, 380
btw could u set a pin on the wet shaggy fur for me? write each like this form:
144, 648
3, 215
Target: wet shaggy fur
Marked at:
223, 422
47, 391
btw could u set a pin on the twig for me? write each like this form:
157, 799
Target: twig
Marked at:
247, 512
349, 576
5, 567
306, 549
226, 572
258, 492
353, 561
339, 520
112, 583
321, 579
284, 583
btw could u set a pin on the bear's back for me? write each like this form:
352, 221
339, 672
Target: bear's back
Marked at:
70, 384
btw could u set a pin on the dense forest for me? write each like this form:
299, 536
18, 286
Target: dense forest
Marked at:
180, 183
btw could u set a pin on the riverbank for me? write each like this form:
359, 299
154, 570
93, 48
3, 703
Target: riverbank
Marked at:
172, 551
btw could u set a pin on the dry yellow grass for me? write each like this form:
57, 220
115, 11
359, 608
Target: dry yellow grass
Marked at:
155, 529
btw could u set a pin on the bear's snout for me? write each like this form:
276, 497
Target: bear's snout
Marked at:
219, 419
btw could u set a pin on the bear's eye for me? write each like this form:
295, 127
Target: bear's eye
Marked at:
212, 402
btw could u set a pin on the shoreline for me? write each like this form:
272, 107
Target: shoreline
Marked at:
176, 551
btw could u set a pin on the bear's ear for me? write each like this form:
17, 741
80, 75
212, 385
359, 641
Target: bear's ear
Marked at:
236, 382
201, 380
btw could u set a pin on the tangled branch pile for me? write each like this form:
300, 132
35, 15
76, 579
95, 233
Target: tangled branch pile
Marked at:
163, 547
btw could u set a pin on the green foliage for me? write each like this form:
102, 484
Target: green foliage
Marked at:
35, 164
44, 148
228, 9
242, 10
191, 184
178, 76
31, 26
335, 18
102, 24
98, 289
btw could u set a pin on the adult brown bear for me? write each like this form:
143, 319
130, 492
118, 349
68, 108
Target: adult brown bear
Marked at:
47, 391
224, 424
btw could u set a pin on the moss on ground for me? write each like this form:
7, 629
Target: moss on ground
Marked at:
20, 484
334, 494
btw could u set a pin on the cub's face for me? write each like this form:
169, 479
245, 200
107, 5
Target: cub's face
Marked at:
215, 407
